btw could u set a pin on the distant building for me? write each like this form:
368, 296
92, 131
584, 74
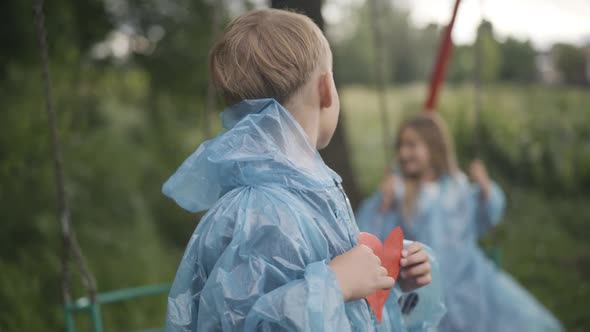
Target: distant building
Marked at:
547, 72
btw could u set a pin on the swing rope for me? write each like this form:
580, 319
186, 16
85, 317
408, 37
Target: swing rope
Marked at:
495, 252
444, 55
438, 73
379, 69
70, 242
477, 86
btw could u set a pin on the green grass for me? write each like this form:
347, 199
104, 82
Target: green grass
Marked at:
545, 231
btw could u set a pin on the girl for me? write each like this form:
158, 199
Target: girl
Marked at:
434, 203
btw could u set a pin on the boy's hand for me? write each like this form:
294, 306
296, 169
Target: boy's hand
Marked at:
415, 268
388, 194
359, 273
479, 174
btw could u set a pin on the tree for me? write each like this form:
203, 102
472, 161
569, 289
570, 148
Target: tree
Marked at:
571, 63
114, 168
462, 64
490, 52
518, 61
337, 154
425, 47
407, 51
353, 55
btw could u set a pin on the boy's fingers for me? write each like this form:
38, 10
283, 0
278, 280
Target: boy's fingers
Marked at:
423, 280
366, 248
416, 270
377, 259
386, 282
417, 258
411, 249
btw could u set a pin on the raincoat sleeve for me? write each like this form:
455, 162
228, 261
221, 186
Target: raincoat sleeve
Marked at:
274, 274
488, 212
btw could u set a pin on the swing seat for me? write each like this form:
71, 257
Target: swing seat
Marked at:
86, 306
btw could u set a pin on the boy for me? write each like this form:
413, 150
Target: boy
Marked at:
277, 249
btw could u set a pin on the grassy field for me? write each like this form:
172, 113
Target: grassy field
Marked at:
544, 234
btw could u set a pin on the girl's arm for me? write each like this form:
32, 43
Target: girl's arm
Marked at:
487, 196
489, 206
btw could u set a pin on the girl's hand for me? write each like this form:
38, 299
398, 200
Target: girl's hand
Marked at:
479, 174
388, 194
415, 271
359, 273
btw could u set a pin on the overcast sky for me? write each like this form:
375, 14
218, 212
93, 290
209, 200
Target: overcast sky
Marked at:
542, 21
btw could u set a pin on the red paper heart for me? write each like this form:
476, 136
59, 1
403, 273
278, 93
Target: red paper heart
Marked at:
390, 254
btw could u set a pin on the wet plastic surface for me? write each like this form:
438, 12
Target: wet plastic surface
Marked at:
450, 218
258, 260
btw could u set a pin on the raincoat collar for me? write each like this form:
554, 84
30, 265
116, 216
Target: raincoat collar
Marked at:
233, 114
263, 144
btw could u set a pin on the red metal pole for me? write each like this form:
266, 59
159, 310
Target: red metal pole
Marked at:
444, 54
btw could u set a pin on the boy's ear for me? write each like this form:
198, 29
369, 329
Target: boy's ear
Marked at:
325, 90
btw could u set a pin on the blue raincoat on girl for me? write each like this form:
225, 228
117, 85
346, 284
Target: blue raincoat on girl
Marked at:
258, 260
450, 217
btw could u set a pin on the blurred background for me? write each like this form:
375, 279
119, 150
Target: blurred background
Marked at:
131, 91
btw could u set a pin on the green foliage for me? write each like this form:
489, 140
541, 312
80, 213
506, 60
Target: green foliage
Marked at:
462, 64
491, 52
407, 51
410, 53
536, 143
571, 63
517, 64
125, 126
114, 177
511, 60
545, 247
353, 56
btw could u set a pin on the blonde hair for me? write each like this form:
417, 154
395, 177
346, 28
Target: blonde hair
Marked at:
266, 53
433, 131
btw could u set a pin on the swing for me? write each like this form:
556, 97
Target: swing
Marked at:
90, 304
437, 76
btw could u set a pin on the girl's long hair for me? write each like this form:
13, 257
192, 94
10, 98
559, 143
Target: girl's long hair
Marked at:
433, 131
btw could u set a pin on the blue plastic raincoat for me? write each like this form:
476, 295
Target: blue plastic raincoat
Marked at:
450, 216
258, 260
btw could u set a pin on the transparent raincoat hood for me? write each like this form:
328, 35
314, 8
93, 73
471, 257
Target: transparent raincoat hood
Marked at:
450, 217
258, 260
